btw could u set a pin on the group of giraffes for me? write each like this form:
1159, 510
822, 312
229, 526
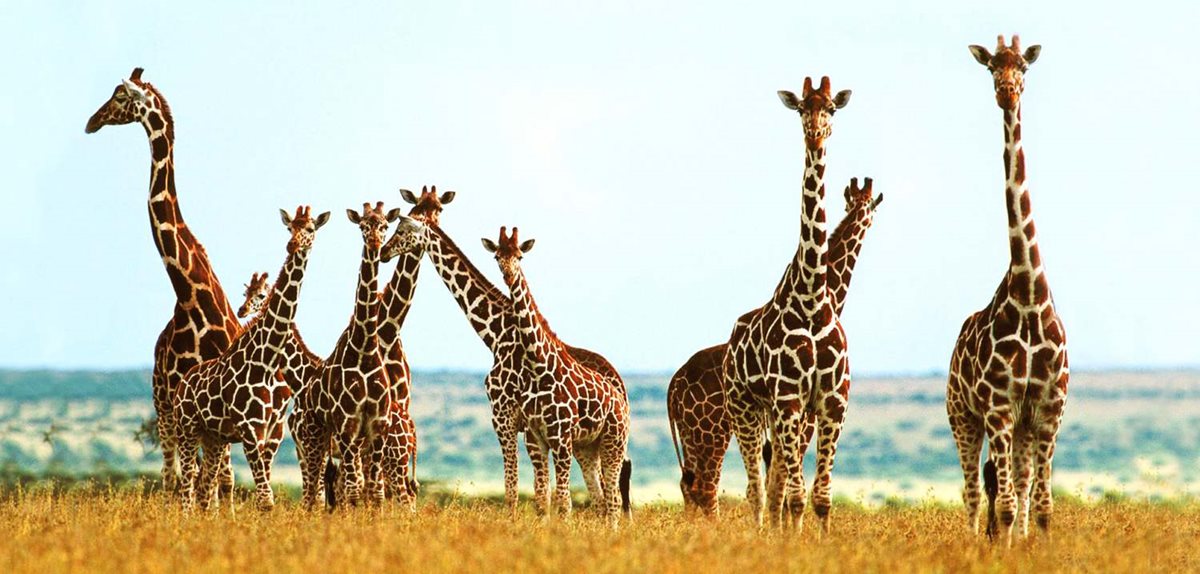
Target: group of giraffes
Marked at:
783, 372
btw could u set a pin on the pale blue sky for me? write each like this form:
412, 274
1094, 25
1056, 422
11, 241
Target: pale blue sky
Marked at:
641, 144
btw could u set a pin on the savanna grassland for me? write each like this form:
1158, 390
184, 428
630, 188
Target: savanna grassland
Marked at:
123, 530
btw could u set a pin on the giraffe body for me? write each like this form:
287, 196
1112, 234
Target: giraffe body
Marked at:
1009, 371
203, 324
240, 396
787, 364
695, 396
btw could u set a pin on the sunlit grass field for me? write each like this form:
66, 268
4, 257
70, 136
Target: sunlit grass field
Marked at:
125, 530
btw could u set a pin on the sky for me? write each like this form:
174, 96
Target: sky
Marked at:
640, 143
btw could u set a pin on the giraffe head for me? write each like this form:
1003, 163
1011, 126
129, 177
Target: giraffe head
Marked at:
1008, 67
816, 108
303, 228
132, 101
257, 292
428, 207
373, 222
508, 251
862, 200
410, 234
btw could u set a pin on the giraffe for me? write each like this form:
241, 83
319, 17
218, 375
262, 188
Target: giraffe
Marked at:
203, 324
301, 366
787, 361
351, 401
490, 313
695, 398
568, 408
1009, 371
238, 396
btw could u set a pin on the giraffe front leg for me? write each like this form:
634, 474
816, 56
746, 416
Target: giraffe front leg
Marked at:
539, 457
256, 457
562, 471
507, 436
209, 465
312, 448
352, 479
224, 464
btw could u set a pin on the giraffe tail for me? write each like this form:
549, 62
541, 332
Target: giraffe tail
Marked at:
689, 476
331, 473
626, 474
991, 487
767, 455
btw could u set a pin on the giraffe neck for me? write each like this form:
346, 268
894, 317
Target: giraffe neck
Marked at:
844, 245
1025, 263
364, 329
397, 297
803, 285
538, 341
185, 259
483, 304
275, 322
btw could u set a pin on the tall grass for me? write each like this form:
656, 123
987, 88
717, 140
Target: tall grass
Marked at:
106, 529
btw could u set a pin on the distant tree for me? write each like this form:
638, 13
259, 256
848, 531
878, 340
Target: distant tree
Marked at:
147, 434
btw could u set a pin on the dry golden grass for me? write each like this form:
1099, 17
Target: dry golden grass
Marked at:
121, 531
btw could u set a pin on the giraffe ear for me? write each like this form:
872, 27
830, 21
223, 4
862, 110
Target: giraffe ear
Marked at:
321, 220
1031, 53
490, 245
287, 219
789, 99
526, 246
408, 196
353, 216
393, 215
981, 54
841, 99
447, 197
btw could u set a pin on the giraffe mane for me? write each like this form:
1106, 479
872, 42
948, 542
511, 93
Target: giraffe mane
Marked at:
163, 106
492, 292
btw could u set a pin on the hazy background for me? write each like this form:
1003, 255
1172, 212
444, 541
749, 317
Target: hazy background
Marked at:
642, 145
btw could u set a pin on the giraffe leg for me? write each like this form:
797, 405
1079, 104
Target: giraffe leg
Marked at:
167, 442
225, 464
539, 457
562, 472
1045, 436
210, 464
609, 466
775, 485
373, 472
507, 435
351, 470
189, 463
1022, 463
748, 428
968, 437
589, 464
787, 429
313, 451
1000, 432
829, 429
256, 458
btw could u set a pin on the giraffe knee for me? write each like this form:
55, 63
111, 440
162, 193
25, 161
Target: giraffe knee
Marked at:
1007, 517
1043, 521
821, 508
